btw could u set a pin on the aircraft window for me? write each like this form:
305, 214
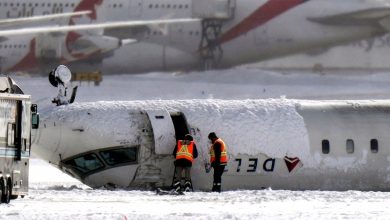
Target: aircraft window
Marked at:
60, 4
120, 5
85, 163
119, 156
48, 4
1, 46
174, 6
186, 6
325, 147
156, 6
72, 5
150, 6
162, 6
55, 5
67, 5
168, 6
43, 4
36, 4
5, 4
180, 6
30, 4
5, 46
374, 146
11, 4
350, 146
17, 4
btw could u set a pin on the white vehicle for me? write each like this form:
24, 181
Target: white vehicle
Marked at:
221, 33
18, 117
282, 144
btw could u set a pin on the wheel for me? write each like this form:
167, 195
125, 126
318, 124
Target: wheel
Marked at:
6, 190
2, 190
9, 190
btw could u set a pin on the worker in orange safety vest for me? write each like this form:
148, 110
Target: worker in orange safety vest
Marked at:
218, 160
185, 152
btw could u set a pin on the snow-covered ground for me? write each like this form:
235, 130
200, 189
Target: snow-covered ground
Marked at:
54, 195
63, 198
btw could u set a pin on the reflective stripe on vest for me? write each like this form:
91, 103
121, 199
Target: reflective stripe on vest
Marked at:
185, 151
224, 158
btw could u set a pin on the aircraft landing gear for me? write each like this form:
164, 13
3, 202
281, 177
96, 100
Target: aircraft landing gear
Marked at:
210, 50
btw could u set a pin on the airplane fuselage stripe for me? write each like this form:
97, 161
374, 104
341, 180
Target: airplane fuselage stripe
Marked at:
260, 16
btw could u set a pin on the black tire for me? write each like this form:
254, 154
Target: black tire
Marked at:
2, 190
9, 190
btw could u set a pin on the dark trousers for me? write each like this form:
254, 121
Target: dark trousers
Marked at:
218, 171
182, 173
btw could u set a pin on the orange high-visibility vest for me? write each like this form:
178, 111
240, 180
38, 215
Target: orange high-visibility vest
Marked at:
224, 158
185, 151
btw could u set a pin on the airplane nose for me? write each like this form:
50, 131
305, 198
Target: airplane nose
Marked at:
89, 142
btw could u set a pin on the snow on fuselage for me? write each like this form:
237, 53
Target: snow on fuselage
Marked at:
278, 143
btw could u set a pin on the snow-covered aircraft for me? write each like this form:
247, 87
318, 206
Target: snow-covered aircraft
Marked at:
282, 144
277, 143
224, 32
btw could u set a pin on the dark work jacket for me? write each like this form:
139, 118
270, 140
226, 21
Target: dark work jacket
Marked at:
217, 151
184, 162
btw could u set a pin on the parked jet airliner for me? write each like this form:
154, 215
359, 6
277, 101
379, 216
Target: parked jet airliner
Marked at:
227, 33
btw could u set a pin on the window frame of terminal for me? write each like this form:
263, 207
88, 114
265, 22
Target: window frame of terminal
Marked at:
66, 163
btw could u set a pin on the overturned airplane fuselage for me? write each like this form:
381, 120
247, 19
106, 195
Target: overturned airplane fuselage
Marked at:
278, 143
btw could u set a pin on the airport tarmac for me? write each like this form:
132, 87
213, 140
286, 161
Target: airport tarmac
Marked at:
54, 195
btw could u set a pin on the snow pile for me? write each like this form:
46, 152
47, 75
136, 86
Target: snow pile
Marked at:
44, 176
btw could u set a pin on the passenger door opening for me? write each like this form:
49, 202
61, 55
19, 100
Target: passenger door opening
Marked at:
168, 127
180, 124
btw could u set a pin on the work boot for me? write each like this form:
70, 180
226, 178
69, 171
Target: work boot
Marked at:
214, 189
218, 187
188, 186
176, 186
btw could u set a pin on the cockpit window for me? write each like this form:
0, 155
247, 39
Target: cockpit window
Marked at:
121, 155
85, 163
